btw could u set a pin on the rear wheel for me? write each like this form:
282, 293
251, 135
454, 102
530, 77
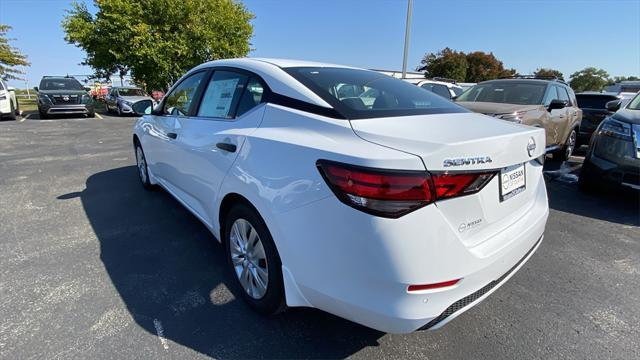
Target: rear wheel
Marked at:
567, 149
253, 260
106, 107
43, 115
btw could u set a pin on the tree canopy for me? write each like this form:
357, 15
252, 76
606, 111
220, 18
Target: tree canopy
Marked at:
10, 57
157, 41
589, 79
472, 67
548, 72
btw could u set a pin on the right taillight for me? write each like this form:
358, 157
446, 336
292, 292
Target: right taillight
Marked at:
393, 193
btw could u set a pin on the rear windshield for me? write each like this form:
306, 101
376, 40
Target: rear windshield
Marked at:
60, 84
594, 101
361, 94
506, 92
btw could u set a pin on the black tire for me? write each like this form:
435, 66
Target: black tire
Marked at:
143, 170
106, 108
91, 114
119, 112
586, 181
273, 300
43, 115
12, 113
567, 149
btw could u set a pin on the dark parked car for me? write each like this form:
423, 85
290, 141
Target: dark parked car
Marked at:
594, 110
614, 150
63, 95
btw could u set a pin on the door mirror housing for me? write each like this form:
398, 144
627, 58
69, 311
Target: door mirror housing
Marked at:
557, 104
35, 88
142, 107
11, 88
613, 105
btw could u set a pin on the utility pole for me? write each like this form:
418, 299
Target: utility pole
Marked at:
407, 31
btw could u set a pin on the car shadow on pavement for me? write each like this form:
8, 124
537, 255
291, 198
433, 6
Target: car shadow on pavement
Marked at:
618, 205
169, 271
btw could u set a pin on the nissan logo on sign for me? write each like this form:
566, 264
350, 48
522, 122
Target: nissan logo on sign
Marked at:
531, 146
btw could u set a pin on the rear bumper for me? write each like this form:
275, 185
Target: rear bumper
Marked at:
359, 267
67, 109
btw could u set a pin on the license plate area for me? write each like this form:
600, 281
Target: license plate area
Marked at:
513, 181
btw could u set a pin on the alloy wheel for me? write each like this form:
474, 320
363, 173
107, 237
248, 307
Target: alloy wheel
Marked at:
249, 259
142, 165
571, 144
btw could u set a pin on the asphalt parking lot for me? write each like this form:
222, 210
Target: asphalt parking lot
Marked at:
94, 266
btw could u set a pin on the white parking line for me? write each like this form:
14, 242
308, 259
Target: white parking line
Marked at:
98, 116
160, 333
24, 118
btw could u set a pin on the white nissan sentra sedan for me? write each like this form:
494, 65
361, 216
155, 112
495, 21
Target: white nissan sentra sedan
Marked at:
347, 190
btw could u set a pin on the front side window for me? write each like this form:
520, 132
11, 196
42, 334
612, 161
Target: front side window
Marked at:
563, 95
506, 92
552, 94
222, 94
60, 84
635, 103
360, 94
179, 100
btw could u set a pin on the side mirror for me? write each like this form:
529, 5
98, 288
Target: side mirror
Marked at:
613, 105
557, 104
35, 88
142, 107
11, 88
454, 97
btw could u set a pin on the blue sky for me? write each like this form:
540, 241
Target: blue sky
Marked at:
567, 35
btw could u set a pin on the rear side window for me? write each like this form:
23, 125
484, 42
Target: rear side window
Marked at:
222, 94
251, 97
594, 101
360, 94
438, 89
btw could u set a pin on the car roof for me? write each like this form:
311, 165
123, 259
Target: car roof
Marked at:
596, 93
273, 73
126, 87
532, 81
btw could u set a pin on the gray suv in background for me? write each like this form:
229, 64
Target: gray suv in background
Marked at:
63, 95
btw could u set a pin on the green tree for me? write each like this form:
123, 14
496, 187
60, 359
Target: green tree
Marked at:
10, 57
158, 40
446, 63
483, 66
589, 79
548, 72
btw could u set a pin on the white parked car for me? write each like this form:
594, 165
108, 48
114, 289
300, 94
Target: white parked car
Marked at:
399, 214
8, 104
447, 89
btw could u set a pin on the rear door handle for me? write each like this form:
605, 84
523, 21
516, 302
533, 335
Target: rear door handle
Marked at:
172, 135
226, 147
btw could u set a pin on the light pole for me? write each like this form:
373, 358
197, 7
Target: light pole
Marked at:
407, 31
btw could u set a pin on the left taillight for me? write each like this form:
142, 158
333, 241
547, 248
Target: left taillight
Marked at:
393, 193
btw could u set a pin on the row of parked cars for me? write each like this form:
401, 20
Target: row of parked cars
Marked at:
65, 95
606, 122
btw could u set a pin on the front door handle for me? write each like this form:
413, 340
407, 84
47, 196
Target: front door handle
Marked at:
226, 147
172, 135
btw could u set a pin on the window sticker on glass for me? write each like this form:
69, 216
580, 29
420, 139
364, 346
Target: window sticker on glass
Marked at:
218, 98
